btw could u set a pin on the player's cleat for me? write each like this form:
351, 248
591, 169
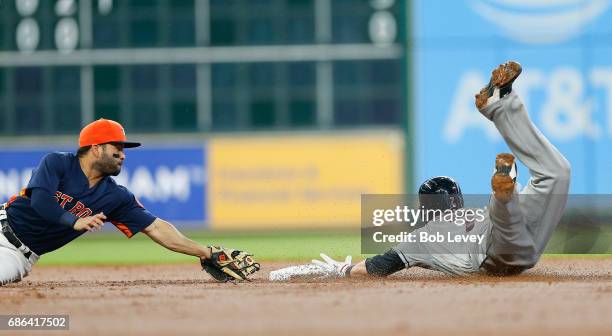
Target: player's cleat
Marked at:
504, 177
499, 85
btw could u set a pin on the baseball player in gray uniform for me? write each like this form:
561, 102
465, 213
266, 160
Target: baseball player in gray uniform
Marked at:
516, 226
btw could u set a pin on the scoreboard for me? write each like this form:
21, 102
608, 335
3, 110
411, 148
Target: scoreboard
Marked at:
201, 65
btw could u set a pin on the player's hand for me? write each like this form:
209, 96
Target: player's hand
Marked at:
334, 268
91, 223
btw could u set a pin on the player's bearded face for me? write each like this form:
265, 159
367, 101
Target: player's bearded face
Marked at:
107, 164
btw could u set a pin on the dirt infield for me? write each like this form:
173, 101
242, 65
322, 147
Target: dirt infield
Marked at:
558, 297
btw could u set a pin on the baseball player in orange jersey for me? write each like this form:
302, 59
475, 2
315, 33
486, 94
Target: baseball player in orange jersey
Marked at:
517, 226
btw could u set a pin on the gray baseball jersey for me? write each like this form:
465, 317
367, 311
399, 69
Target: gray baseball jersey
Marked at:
515, 233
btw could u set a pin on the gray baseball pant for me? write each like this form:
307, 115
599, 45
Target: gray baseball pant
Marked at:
522, 227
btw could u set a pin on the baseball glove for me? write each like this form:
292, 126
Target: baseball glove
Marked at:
229, 265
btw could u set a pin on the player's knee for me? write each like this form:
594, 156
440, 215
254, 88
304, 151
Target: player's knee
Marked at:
565, 169
11, 267
9, 272
561, 176
560, 171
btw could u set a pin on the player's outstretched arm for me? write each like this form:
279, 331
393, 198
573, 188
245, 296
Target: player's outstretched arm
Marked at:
378, 266
321, 269
221, 263
166, 235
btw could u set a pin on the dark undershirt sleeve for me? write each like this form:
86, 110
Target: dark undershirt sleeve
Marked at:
385, 264
47, 207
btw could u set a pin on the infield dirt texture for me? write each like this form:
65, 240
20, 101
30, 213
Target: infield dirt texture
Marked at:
560, 296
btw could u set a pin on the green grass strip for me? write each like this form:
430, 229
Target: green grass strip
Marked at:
113, 249
105, 248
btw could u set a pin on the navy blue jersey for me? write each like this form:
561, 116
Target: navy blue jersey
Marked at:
61, 175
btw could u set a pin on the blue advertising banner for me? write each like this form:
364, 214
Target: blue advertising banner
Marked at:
169, 181
566, 84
